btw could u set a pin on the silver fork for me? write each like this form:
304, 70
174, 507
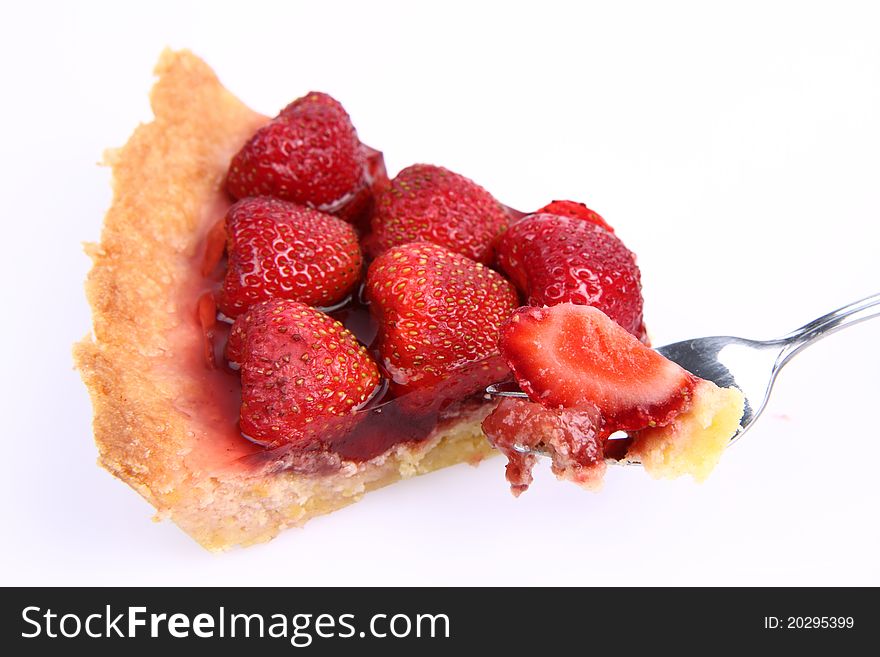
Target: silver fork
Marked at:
750, 365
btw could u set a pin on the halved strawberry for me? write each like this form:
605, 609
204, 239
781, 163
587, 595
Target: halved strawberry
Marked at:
432, 204
283, 250
300, 369
554, 259
572, 356
309, 154
438, 314
575, 210
573, 438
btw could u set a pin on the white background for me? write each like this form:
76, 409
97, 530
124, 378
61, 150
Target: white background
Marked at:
734, 146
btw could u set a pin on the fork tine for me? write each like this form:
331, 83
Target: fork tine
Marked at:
506, 389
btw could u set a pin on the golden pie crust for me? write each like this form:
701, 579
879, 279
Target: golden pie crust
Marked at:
155, 425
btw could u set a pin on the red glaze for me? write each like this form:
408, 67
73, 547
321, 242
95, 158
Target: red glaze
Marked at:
554, 259
281, 250
207, 316
432, 204
208, 397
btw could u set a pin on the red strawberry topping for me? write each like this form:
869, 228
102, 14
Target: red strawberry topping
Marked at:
300, 369
575, 210
283, 250
438, 314
555, 259
432, 204
309, 154
574, 439
572, 356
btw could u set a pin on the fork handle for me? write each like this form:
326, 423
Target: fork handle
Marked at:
856, 312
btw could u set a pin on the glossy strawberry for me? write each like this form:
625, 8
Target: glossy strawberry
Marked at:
310, 154
438, 315
300, 370
358, 209
555, 259
573, 438
575, 210
283, 250
432, 204
572, 356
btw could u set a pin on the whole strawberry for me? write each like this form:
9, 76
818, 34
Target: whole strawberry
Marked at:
432, 204
310, 154
300, 370
438, 315
555, 259
283, 250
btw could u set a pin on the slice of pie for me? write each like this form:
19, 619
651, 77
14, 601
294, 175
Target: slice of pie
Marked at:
165, 422
280, 328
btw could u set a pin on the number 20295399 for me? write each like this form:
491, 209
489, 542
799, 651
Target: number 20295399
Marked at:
809, 622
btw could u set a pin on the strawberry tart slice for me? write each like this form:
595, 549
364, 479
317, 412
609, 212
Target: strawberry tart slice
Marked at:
279, 328
249, 368
587, 378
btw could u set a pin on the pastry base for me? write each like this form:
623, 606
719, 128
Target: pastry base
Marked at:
693, 443
155, 425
